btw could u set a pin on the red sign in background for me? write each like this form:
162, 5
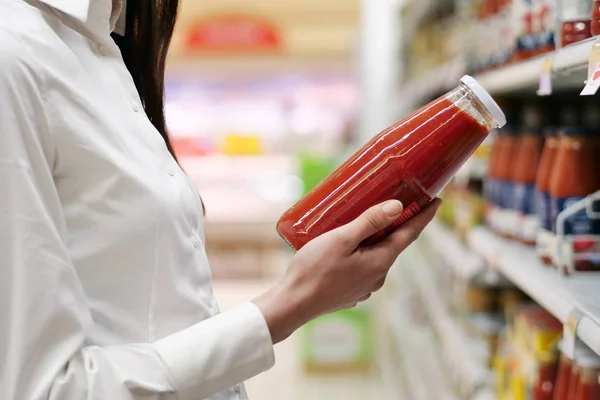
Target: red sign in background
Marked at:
234, 33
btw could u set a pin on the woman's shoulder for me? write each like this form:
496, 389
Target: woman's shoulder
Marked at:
25, 34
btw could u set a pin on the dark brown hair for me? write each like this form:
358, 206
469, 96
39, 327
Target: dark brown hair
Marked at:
144, 47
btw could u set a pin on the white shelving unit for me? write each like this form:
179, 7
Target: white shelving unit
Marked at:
464, 262
468, 369
559, 295
569, 71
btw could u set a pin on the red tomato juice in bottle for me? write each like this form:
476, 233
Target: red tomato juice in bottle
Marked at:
411, 161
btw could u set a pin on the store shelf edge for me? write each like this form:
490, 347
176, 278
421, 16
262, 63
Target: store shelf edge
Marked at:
559, 295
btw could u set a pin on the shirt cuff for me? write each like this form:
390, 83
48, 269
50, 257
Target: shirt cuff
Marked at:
217, 353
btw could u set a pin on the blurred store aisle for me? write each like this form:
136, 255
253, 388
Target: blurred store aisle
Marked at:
286, 380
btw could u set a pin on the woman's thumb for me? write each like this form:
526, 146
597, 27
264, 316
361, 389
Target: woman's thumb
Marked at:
372, 221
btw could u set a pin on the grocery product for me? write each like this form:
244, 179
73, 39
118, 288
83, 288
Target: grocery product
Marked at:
524, 175
412, 161
588, 386
339, 342
506, 39
576, 175
545, 13
575, 21
522, 26
564, 387
545, 236
491, 182
505, 185
595, 18
543, 381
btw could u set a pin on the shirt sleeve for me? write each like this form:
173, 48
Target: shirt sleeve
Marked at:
44, 318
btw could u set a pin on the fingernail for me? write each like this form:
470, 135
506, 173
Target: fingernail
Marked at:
392, 208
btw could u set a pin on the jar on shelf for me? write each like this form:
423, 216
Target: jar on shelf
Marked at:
522, 26
588, 385
575, 176
411, 161
545, 16
595, 18
575, 24
525, 166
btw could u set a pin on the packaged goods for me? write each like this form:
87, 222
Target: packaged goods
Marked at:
575, 176
412, 162
575, 24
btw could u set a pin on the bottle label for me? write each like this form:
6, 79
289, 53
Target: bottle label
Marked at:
507, 195
577, 224
575, 10
545, 243
492, 190
545, 16
528, 227
522, 23
542, 209
524, 198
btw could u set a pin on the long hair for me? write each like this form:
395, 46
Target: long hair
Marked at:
148, 33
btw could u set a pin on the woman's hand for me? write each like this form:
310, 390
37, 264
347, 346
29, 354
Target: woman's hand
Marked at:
333, 272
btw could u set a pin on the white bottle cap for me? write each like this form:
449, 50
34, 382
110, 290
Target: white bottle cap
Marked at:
485, 98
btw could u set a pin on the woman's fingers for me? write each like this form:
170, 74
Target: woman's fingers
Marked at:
404, 235
370, 222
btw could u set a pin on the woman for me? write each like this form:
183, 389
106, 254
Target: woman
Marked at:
105, 289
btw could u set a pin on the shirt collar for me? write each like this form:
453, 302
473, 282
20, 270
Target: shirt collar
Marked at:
90, 11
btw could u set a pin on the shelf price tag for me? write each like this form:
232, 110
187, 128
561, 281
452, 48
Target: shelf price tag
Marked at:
545, 88
570, 332
593, 82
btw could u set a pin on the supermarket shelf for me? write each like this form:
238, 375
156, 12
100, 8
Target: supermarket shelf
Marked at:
569, 70
455, 254
559, 295
433, 83
470, 371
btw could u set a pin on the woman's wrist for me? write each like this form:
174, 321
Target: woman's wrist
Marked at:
284, 309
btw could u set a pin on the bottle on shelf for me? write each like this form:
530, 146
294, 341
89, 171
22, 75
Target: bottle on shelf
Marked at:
504, 174
545, 15
525, 169
411, 161
576, 175
588, 386
574, 18
522, 26
545, 240
595, 18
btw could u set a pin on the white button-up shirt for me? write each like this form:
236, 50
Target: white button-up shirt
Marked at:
105, 287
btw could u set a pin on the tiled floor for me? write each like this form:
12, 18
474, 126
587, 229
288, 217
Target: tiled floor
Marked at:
286, 381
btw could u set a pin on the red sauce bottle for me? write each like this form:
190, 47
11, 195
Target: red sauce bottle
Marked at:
588, 386
490, 182
543, 386
542, 201
506, 155
561, 388
527, 159
575, 176
575, 21
545, 14
524, 223
522, 24
411, 161
595, 17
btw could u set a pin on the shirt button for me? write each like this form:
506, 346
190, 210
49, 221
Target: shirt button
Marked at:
136, 106
237, 389
195, 242
171, 172
103, 50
